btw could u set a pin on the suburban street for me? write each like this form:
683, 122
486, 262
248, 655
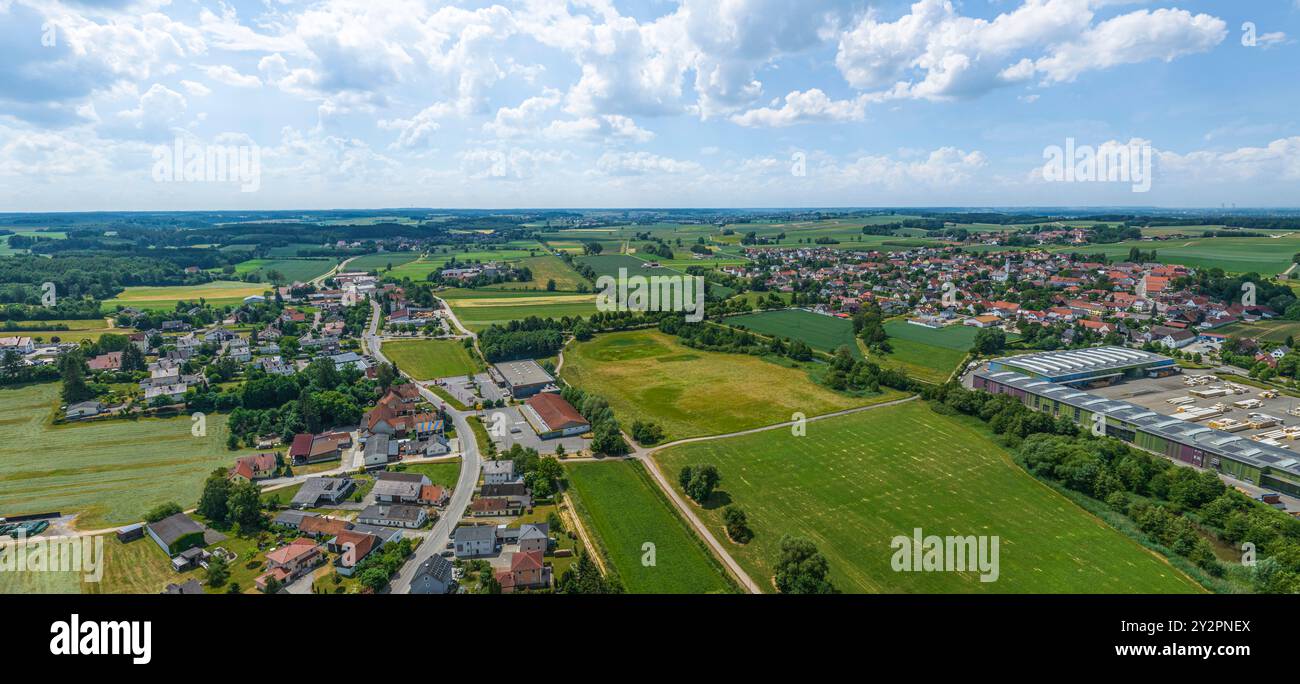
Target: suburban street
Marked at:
437, 539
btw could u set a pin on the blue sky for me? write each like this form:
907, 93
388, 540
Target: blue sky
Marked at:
648, 103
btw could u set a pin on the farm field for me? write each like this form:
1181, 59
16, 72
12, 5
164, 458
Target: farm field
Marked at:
1264, 255
624, 509
112, 471
293, 270
928, 354
419, 269
429, 359
647, 375
219, 293
1268, 331
823, 333
380, 261
545, 268
478, 309
855, 482
609, 264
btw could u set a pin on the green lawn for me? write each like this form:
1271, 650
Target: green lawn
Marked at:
429, 359
625, 510
136, 567
650, 376
545, 268
381, 261
112, 471
443, 473
824, 333
855, 482
928, 354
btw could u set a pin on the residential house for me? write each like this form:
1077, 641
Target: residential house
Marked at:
316, 491
527, 571
472, 541
255, 467
393, 515
498, 472
290, 562
434, 576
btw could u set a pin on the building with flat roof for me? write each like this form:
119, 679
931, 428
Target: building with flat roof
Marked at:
1091, 365
523, 378
1198, 445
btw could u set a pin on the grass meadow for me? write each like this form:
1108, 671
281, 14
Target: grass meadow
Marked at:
429, 359
646, 375
823, 333
855, 482
624, 510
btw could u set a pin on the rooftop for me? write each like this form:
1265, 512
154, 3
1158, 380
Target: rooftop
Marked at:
525, 372
1083, 360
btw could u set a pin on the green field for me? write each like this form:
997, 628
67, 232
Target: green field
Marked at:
292, 270
624, 509
429, 359
419, 269
928, 354
380, 261
136, 567
609, 264
217, 293
855, 482
545, 268
1264, 255
111, 471
1268, 331
78, 330
647, 375
443, 473
477, 309
824, 333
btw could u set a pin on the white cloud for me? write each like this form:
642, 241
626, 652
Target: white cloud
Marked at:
937, 54
224, 73
419, 129
804, 107
196, 89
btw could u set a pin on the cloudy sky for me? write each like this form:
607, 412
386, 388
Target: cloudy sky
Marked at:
645, 103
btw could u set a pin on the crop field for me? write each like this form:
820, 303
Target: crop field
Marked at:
854, 483
1264, 255
824, 333
419, 269
429, 359
293, 270
624, 510
380, 261
545, 268
609, 264
929, 354
1268, 331
218, 293
478, 309
111, 471
647, 375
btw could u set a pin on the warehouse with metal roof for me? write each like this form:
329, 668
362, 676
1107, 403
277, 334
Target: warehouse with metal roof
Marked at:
1245, 459
1082, 366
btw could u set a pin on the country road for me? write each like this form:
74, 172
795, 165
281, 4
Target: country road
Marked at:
471, 462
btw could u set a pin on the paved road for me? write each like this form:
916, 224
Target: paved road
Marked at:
436, 540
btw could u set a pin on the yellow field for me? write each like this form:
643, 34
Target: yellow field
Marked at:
220, 292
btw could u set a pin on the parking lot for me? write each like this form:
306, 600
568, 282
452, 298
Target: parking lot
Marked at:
1156, 394
518, 431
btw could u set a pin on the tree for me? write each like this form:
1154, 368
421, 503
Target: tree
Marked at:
214, 502
550, 285
72, 366
161, 511
133, 359
373, 578
989, 341
699, 481
608, 440
737, 524
802, 569
218, 571
245, 505
385, 375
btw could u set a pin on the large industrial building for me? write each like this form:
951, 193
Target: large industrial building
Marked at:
1242, 458
523, 378
1095, 365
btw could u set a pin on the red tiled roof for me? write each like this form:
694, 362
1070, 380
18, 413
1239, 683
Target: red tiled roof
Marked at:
301, 445
526, 560
557, 413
